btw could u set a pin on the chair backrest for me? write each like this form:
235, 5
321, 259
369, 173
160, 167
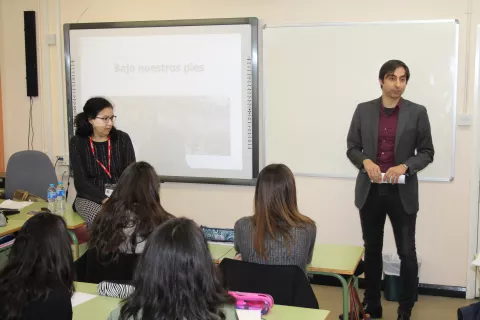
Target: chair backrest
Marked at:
288, 285
471, 312
31, 171
89, 269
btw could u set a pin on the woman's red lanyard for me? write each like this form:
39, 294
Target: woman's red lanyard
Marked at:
107, 171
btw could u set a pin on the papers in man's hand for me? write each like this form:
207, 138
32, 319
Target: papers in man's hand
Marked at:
249, 314
10, 204
401, 179
79, 298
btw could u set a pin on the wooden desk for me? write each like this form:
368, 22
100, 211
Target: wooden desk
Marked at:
334, 258
11, 227
72, 219
338, 261
335, 261
100, 307
219, 251
329, 258
280, 312
97, 308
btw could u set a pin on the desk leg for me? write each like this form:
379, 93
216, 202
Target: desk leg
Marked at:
344, 290
75, 244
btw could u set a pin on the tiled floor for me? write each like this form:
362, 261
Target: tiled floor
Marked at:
427, 307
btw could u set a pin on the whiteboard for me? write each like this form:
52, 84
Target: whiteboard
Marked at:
316, 75
186, 91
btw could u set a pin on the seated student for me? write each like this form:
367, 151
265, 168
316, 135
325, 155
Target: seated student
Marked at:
119, 231
37, 281
176, 279
277, 233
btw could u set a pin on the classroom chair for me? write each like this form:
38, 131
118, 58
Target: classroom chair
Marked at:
288, 285
471, 312
31, 171
4, 256
90, 269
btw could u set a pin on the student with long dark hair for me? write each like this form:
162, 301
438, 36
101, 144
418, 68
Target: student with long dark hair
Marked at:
99, 153
176, 279
37, 281
119, 232
131, 214
277, 233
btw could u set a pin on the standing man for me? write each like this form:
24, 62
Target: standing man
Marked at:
389, 135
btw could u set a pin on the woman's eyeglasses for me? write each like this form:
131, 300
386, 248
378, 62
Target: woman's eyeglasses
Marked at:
105, 119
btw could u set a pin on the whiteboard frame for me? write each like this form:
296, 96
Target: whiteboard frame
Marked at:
252, 21
474, 219
455, 91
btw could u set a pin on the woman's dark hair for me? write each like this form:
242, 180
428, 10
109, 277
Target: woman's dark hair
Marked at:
135, 202
175, 278
390, 66
39, 261
92, 108
275, 206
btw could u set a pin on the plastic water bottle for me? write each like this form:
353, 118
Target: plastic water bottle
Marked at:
61, 199
51, 197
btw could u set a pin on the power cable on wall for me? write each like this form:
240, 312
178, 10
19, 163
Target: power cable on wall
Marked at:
31, 132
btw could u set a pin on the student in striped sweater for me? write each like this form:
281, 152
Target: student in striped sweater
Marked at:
277, 233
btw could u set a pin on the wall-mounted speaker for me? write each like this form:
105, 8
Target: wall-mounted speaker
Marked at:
31, 52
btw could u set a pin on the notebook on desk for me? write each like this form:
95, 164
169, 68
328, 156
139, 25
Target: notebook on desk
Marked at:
80, 297
249, 314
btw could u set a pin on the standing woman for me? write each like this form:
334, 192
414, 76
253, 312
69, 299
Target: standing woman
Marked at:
99, 154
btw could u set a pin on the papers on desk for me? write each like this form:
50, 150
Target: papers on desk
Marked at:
19, 205
401, 179
249, 314
79, 298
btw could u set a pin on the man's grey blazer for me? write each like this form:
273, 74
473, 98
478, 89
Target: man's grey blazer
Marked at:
413, 147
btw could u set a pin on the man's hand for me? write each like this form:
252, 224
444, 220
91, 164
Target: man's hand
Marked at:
392, 174
105, 201
373, 170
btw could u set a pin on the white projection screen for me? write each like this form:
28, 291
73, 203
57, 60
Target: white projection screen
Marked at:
186, 91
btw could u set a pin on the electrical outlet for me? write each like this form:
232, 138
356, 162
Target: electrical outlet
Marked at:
62, 160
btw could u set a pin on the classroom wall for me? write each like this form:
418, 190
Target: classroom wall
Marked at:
2, 155
442, 228
16, 104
